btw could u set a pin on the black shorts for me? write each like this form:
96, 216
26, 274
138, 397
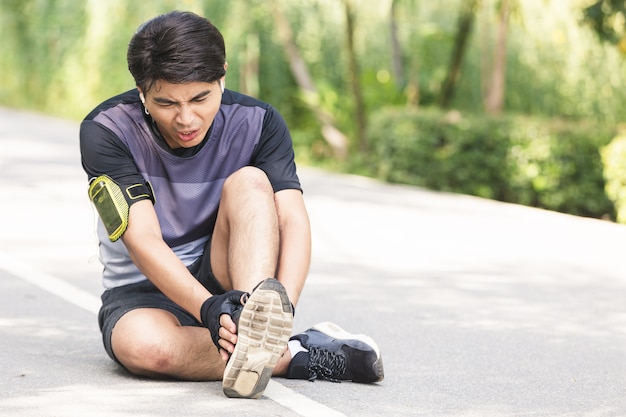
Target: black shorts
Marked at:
118, 301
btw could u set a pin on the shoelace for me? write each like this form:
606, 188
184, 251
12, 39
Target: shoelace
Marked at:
325, 365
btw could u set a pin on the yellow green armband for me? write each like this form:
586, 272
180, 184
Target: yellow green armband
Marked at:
111, 205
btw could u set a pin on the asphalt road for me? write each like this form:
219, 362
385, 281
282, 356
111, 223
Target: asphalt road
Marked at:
480, 308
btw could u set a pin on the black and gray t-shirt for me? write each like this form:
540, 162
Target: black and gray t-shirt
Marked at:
119, 140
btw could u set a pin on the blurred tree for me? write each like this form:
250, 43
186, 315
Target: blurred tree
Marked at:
405, 70
333, 136
57, 57
464, 29
244, 44
607, 18
413, 81
397, 56
495, 88
355, 79
94, 50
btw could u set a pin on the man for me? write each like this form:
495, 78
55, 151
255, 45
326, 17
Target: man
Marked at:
203, 225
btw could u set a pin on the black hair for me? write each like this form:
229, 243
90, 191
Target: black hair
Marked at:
177, 47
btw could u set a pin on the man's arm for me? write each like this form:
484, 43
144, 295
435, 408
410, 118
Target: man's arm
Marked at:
295, 242
158, 262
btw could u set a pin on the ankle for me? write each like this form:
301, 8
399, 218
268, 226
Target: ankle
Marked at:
282, 366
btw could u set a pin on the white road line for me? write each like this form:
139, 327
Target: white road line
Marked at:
302, 405
52, 284
277, 392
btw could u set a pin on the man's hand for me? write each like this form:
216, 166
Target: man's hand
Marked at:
215, 306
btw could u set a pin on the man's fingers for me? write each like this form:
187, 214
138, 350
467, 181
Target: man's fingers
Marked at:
228, 335
227, 332
227, 323
226, 345
225, 355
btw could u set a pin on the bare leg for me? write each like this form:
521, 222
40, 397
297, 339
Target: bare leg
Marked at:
244, 250
283, 364
152, 343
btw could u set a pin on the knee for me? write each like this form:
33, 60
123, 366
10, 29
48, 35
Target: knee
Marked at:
146, 357
248, 179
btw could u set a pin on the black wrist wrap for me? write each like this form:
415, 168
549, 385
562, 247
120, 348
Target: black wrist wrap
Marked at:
215, 306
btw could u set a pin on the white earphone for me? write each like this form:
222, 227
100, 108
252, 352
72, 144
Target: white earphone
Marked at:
222, 85
143, 101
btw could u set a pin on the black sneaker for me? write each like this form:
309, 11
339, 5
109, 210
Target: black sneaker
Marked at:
336, 355
263, 330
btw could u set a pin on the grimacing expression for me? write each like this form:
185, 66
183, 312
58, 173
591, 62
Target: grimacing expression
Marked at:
183, 113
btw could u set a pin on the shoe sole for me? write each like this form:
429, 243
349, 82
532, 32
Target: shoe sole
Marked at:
263, 332
336, 332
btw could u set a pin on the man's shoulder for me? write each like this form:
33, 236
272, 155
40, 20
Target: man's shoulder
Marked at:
231, 97
270, 116
127, 97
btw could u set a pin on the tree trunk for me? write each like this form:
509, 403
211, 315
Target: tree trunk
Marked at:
397, 64
96, 30
249, 68
494, 100
413, 86
333, 136
412, 79
464, 28
355, 76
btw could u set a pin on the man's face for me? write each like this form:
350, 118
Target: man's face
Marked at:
183, 113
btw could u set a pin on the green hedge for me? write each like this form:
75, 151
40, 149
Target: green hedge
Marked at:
549, 164
614, 159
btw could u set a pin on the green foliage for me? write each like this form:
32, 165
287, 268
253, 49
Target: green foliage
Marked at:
560, 162
606, 18
556, 67
435, 150
36, 36
614, 158
548, 164
63, 57
61, 51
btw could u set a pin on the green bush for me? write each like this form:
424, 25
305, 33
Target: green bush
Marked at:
560, 163
549, 164
614, 158
432, 150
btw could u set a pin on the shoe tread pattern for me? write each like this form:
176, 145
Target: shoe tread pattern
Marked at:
263, 332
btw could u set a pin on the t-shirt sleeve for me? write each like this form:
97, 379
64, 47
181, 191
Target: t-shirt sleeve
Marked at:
103, 153
274, 153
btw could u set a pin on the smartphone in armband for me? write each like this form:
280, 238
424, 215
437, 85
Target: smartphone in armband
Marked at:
111, 205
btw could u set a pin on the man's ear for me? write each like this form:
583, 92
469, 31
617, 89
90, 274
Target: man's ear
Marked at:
141, 96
